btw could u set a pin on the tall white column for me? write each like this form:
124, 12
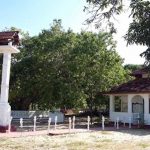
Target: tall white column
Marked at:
130, 105
146, 103
5, 77
146, 108
111, 107
130, 96
5, 108
111, 103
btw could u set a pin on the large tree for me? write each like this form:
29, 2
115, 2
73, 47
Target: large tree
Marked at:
98, 66
139, 29
61, 68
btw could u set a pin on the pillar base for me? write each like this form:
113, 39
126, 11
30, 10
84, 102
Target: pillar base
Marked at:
5, 113
4, 129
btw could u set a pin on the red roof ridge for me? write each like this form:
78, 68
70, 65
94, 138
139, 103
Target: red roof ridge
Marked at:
140, 85
141, 71
7, 36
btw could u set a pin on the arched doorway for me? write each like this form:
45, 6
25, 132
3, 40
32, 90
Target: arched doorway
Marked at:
138, 104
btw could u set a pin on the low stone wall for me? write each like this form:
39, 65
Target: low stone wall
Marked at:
31, 114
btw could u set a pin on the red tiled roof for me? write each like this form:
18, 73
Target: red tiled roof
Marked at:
140, 71
141, 85
7, 36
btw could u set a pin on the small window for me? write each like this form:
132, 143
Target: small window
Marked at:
117, 104
124, 104
120, 104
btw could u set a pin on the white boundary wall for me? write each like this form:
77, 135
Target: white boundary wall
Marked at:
31, 114
123, 117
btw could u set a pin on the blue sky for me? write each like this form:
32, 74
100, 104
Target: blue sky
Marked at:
35, 15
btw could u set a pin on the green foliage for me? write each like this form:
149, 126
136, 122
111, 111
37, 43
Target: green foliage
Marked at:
103, 11
132, 67
63, 69
139, 29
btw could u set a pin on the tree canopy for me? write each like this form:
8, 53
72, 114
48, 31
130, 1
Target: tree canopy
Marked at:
139, 28
63, 69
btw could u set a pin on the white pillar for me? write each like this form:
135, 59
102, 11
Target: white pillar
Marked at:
130, 105
130, 121
69, 124
117, 122
5, 77
88, 123
55, 122
111, 103
49, 123
34, 125
146, 103
111, 106
103, 123
73, 122
146, 108
5, 108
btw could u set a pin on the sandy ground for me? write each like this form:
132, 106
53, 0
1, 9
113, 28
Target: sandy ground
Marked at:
134, 139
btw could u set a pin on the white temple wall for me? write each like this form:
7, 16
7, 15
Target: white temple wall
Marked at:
124, 116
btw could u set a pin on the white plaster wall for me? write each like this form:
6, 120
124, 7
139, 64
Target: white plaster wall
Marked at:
60, 116
147, 119
124, 116
31, 114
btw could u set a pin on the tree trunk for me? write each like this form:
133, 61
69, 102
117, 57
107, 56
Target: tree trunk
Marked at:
21, 104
